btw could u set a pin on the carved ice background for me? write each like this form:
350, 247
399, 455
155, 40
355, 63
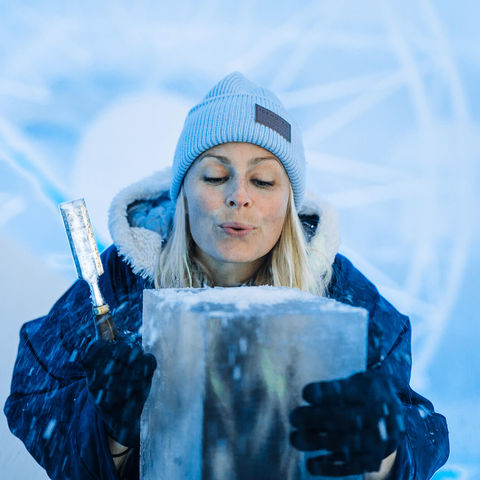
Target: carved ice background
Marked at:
387, 96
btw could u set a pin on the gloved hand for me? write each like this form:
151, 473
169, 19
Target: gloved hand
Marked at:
119, 377
356, 422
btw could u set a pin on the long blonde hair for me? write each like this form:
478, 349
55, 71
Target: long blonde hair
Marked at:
286, 265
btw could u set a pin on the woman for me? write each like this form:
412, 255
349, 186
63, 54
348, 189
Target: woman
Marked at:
231, 214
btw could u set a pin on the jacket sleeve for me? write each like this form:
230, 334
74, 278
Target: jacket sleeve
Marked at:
49, 407
425, 447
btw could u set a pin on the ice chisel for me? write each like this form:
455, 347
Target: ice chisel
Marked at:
88, 263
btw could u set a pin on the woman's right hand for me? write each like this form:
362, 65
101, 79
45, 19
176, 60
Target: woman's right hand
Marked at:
355, 423
119, 377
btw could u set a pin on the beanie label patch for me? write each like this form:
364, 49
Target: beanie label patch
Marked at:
272, 120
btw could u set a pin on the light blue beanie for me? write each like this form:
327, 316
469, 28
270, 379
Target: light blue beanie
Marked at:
237, 110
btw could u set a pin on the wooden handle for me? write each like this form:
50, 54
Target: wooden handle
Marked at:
106, 328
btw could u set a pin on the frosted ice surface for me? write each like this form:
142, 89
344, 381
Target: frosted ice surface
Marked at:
232, 363
238, 299
257, 296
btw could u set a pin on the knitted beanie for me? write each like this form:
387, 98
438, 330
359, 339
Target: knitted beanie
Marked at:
237, 110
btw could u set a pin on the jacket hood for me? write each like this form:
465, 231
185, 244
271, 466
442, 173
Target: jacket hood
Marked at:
140, 220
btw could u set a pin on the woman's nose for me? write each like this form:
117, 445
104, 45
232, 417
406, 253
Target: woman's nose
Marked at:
238, 196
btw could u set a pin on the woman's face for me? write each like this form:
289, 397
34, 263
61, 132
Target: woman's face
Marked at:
237, 196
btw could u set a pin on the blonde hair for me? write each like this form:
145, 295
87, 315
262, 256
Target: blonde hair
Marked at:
286, 265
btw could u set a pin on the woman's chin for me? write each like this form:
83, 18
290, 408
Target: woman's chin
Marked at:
239, 259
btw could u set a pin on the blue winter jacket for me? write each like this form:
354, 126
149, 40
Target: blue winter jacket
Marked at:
49, 408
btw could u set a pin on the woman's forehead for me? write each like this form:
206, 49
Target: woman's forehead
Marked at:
229, 161
239, 146
233, 153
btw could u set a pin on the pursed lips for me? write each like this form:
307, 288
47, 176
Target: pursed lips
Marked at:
236, 229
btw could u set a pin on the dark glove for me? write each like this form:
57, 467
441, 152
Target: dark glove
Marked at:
356, 422
119, 377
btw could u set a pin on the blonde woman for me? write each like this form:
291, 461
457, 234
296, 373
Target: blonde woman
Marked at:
231, 212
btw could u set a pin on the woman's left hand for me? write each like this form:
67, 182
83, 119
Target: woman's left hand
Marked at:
355, 423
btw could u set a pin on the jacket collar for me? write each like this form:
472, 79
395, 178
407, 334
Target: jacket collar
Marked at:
141, 214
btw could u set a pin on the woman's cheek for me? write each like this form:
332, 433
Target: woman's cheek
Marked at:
278, 210
209, 202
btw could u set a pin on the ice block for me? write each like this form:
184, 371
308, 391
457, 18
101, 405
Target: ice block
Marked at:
232, 363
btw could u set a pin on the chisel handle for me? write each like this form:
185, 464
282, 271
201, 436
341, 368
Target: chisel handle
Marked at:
104, 324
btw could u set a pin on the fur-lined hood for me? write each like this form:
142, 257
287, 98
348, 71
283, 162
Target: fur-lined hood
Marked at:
141, 215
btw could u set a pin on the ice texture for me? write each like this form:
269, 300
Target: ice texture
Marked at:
232, 363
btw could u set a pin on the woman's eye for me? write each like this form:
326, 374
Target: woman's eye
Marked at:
214, 180
263, 183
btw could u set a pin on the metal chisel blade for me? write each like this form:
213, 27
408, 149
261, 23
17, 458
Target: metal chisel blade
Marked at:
82, 242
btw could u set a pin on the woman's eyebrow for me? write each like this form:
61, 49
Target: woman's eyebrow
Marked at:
261, 159
227, 161
220, 158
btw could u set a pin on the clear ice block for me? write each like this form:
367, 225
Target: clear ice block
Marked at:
232, 363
